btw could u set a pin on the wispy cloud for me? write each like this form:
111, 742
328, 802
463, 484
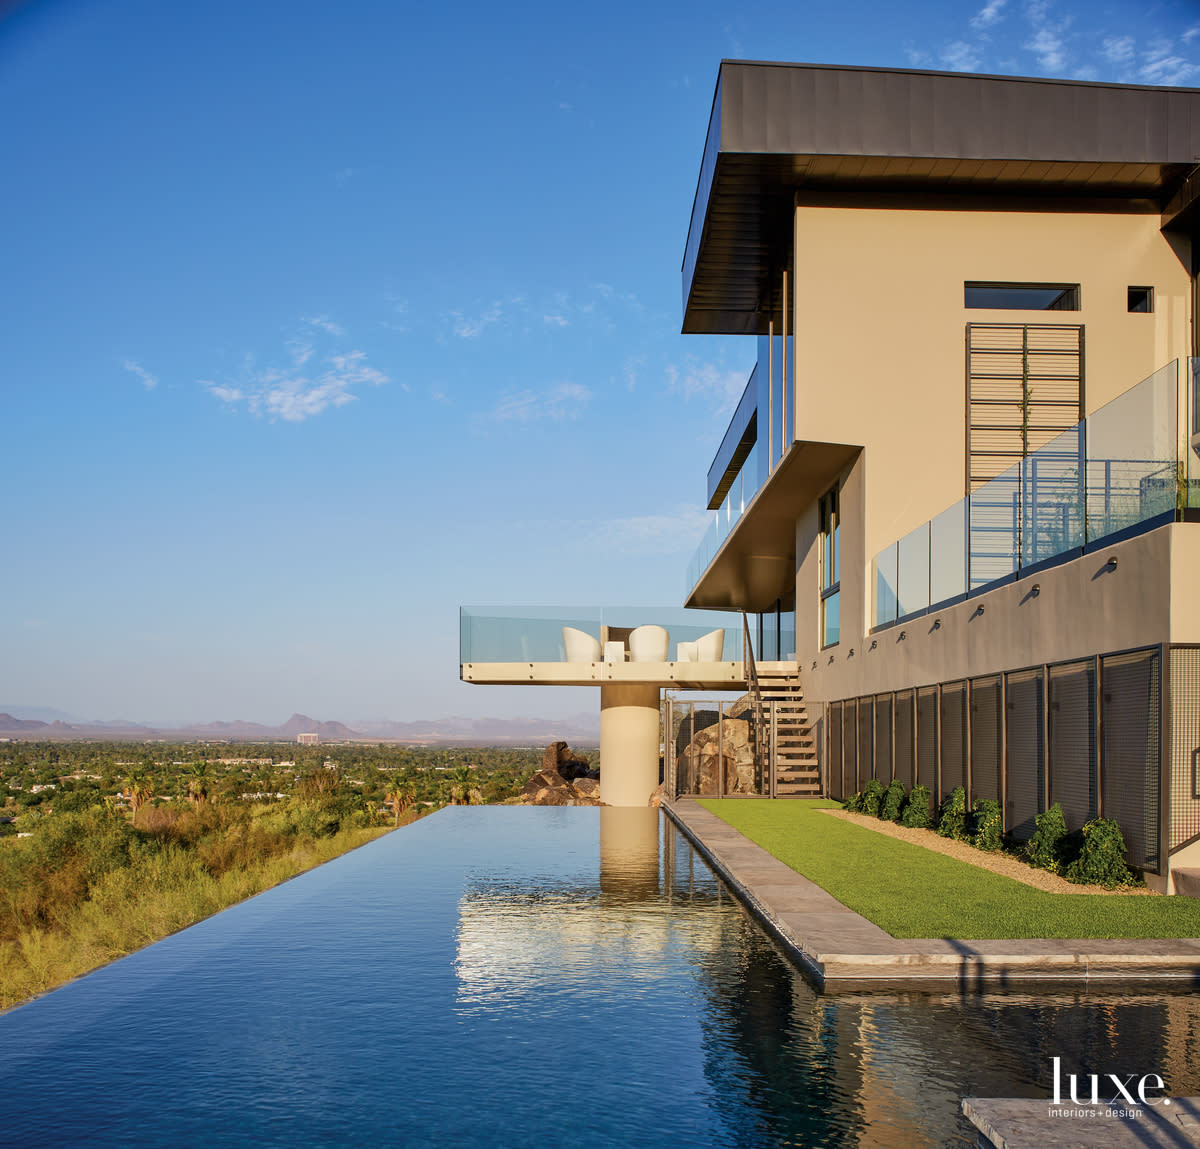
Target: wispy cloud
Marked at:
658, 534
469, 328
312, 382
134, 367
324, 323
708, 381
989, 14
556, 321
960, 57
558, 402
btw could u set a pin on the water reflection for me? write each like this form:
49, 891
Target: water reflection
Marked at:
532, 977
784, 1064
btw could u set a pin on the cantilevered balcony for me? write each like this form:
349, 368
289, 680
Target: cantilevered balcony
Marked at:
1123, 470
595, 646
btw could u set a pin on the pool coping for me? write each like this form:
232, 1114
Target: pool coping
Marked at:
1021, 1123
841, 950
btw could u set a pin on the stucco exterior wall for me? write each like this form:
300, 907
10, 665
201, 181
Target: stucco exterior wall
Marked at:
880, 327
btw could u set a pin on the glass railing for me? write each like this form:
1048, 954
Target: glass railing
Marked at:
725, 517
1192, 470
541, 633
1115, 473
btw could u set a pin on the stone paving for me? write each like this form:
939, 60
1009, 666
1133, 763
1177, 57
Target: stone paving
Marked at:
1018, 1123
841, 950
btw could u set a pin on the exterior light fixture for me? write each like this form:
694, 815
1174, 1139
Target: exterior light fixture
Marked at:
1112, 562
851, 654
937, 624
1036, 589
903, 636
874, 643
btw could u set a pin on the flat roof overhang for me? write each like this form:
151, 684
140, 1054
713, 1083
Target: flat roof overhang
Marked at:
756, 564
782, 131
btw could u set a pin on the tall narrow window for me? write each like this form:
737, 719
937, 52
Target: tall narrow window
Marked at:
831, 575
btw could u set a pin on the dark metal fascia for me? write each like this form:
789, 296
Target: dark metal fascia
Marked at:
737, 443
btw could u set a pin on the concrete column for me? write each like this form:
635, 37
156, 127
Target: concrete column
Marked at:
629, 854
628, 744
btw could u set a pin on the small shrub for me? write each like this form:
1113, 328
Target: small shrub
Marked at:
987, 825
854, 803
952, 821
1101, 861
1045, 849
872, 797
916, 809
893, 800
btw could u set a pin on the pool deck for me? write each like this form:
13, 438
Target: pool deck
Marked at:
1019, 1123
841, 950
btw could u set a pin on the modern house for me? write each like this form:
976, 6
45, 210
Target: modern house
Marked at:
960, 496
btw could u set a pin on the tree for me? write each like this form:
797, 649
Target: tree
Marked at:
401, 795
140, 792
198, 783
461, 777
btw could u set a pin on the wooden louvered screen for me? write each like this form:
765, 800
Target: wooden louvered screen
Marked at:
1024, 387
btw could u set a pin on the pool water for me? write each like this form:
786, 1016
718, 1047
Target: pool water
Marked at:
510, 976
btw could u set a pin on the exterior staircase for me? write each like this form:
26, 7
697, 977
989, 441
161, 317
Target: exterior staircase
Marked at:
790, 746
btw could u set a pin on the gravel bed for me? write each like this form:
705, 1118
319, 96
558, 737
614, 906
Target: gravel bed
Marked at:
1004, 864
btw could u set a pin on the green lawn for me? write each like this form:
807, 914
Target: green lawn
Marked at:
915, 893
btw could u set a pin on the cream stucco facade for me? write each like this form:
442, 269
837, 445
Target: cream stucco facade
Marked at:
880, 228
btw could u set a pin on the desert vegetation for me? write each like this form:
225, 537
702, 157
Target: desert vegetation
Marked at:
105, 847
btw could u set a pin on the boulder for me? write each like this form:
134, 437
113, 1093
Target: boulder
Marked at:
562, 760
726, 742
586, 787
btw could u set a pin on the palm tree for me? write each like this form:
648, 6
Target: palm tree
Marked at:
461, 777
400, 796
140, 792
198, 783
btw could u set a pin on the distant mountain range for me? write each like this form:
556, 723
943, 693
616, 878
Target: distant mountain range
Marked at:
581, 728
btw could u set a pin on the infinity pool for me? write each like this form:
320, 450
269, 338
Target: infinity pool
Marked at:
507, 976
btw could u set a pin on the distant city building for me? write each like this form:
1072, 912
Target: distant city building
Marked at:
308, 739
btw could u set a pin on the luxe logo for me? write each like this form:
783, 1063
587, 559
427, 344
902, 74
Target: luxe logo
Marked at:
1126, 1093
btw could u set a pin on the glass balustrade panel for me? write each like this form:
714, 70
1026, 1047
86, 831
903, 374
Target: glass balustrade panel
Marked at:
885, 566
993, 541
948, 554
912, 575
1052, 505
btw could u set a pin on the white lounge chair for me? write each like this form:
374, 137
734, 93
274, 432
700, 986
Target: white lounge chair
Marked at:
580, 646
648, 644
711, 646
685, 652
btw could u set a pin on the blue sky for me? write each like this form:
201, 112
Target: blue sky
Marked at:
318, 320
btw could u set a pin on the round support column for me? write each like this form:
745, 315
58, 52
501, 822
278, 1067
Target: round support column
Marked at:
629, 726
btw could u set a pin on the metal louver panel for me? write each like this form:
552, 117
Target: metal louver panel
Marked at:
1024, 387
850, 748
836, 786
1130, 710
986, 741
866, 748
1185, 745
1026, 752
1072, 741
883, 738
954, 737
904, 749
927, 738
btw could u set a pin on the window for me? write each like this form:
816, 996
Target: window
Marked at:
831, 562
1022, 296
1141, 299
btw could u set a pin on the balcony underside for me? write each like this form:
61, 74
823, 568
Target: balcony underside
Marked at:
756, 565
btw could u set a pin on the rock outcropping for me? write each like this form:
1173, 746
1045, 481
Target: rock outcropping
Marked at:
565, 779
699, 762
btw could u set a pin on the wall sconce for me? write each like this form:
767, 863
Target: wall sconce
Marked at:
831, 660
874, 643
903, 636
937, 624
1036, 589
978, 610
851, 654
1112, 562
814, 664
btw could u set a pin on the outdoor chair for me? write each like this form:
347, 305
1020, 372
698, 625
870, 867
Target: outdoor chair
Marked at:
580, 646
649, 644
